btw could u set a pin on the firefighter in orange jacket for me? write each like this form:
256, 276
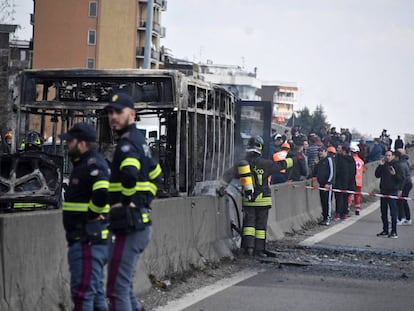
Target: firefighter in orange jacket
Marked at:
257, 197
358, 179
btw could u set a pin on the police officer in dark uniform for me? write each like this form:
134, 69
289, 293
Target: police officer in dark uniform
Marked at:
132, 187
256, 206
84, 218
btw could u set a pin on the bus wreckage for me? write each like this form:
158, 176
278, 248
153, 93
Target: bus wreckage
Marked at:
189, 125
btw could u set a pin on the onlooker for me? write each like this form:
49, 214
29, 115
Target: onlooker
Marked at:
313, 152
390, 183
398, 144
325, 174
275, 146
358, 180
363, 149
84, 220
404, 215
376, 151
300, 170
281, 176
345, 170
134, 175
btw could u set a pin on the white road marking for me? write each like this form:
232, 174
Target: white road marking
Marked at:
202, 293
340, 226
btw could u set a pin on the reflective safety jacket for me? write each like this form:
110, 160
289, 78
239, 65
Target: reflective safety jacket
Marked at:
134, 173
86, 195
359, 169
261, 169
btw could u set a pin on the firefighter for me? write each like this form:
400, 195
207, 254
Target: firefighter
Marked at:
32, 142
134, 175
257, 202
84, 218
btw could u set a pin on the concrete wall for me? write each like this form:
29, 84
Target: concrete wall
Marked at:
187, 232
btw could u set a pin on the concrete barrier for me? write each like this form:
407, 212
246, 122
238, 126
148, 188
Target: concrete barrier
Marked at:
33, 264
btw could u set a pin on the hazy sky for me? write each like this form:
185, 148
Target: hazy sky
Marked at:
353, 57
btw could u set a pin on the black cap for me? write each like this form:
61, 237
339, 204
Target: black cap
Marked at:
120, 101
322, 148
80, 131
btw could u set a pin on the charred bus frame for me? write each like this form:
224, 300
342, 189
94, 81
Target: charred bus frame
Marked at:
195, 119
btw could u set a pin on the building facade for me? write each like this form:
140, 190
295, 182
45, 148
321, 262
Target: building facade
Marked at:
101, 34
284, 96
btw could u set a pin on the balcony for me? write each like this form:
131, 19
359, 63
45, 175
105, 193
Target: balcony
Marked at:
157, 29
159, 3
156, 56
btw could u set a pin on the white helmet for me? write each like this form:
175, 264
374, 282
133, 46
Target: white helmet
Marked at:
354, 147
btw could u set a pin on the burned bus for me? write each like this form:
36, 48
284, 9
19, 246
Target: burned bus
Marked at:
189, 123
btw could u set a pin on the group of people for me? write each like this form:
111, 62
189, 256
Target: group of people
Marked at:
106, 211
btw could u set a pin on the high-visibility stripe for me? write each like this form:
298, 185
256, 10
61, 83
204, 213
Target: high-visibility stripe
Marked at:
249, 231
75, 206
100, 184
261, 234
98, 209
104, 234
260, 201
145, 218
128, 191
27, 205
141, 186
155, 172
130, 162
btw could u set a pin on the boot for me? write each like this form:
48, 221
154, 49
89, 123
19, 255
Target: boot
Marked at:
261, 254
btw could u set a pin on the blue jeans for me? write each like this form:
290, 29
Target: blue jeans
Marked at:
86, 267
392, 203
124, 252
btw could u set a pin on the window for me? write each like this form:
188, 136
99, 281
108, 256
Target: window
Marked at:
93, 9
90, 64
92, 37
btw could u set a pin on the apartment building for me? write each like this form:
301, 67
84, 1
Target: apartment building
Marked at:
101, 34
284, 96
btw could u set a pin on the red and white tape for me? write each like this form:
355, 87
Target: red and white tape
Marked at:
370, 194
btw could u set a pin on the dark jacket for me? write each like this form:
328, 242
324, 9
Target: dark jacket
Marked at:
376, 153
300, 169
389, 183
86, 194
345, 172
405, 169
325, 171
134, 173
262, 168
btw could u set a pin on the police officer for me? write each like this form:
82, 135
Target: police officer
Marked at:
84, 218
256, 206
132, 187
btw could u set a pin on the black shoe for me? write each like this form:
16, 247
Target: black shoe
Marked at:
260, 254
393, 235
357, 212
382, 234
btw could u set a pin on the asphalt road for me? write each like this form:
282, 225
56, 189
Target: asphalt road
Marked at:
342, 267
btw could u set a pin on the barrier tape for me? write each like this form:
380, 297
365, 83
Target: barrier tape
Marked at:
370, 194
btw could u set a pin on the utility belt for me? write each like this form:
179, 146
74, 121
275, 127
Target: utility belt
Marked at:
126, 219
89, 232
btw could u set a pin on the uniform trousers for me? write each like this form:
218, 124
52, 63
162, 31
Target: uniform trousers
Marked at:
124, 252
86, 267
254, 227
